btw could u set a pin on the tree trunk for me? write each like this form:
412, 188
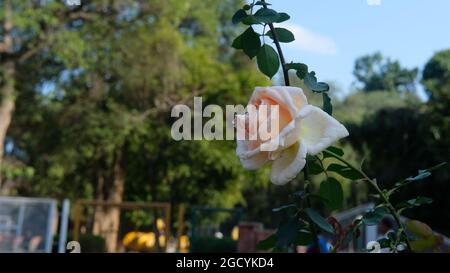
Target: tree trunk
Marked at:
107, 218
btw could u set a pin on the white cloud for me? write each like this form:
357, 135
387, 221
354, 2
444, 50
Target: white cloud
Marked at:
310, 41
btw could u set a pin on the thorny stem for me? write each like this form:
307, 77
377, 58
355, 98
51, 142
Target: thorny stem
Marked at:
280, 52
287, 83
382, 194
308, 203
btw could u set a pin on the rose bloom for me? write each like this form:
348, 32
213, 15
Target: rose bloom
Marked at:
302, 129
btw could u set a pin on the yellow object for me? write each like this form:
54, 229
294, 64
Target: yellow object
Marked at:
235, 233
142, 241
160, 225
184, 244
419, 229
129, 238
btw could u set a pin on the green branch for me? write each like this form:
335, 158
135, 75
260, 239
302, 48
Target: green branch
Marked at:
382, 194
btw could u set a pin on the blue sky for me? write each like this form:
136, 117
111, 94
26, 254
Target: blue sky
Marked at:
331, 34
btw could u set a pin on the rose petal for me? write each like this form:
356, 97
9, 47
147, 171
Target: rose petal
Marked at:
290, 162
318, 129
288, 97
251, 159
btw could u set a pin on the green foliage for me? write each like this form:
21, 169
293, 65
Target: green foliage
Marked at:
374, 216
92, 243
319, 220
311, 83
267, 243
103, 91
283, 35
331, 191
250, 42
344, 171
287, 233
268, 61
375, 72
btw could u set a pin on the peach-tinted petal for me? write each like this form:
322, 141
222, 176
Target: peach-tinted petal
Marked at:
289, 163
289, 98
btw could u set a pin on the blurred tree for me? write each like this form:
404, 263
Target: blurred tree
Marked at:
375, 73
436, 80
29, 29
98, 125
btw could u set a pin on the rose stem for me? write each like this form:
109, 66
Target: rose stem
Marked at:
280, 52
308, 203
287, 83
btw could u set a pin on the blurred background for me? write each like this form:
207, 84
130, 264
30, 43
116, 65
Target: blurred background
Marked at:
86, 91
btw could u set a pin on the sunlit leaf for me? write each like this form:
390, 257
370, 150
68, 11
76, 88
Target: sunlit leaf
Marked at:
268, 61
282, 16
266, 15
283, 35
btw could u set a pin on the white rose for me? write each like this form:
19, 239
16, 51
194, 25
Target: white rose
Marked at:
303, 129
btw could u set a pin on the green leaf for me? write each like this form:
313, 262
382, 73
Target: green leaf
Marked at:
250, 20
304, 238
422, 175
283, 35
247, 7
319, 220
261, 3
374, 216
335, 150
282, 16
238, 16
284, 207
311, 82
327, 106
331, 190
416, 202
251, 43
419, 201
267, 243
345, 171
314, 167
287, 233
266, 15
268, 61
302, 69
237, 43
